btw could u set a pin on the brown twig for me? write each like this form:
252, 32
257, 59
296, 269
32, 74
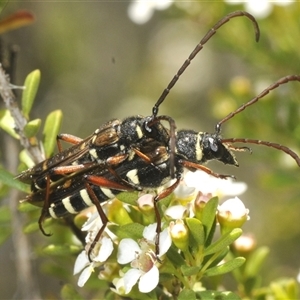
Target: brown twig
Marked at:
20, 121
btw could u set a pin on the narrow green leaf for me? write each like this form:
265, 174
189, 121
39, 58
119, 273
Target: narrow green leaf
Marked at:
189, 271
58, 250
224, 241
51, 130
214, 295
128, 197
133, 230
209, 214
226, 267
31, 84
9, 180
175, 257
217, 260
69, 292
196, 232
26, 159
7, 123
187, 294
26, 207
281, 289
32, 128
32, 227
255, 261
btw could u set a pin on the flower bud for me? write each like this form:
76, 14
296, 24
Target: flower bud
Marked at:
232, 214
200, 203
117, 213
244, 245
179, 234
146, 206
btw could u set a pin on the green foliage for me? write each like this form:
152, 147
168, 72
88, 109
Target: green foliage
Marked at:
31, 85
51, 130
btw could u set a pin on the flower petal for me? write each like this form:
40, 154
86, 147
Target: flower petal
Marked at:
85, 275
127, 251
81, 262
235, 206
149, 280
165, 242
105, 251
131, 278
149, 232
176, 211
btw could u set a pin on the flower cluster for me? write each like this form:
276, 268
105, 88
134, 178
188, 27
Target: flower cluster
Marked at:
133, 257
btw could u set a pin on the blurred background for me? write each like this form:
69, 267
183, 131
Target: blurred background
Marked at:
102, 60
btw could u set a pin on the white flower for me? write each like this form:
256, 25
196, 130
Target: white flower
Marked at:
233, 209
232, 214
245, 244
260, 8
83, 263
101, 251
142, 260
208, 184
177, 212
141, 11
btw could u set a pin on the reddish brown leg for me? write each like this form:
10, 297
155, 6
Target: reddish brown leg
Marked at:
192, 166
103, 182
102, 216
64, 170
160, 196
72, 139
45, 208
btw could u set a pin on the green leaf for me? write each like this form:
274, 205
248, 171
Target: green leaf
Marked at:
8, 179
128, 197
196, 232
132, 230
61, 250
285, 288
31, 84
68, 292
224, 241
190, 271
7, 123
218, 259
255, 261
209, 214
175, 257
25, 207
26, 159
51, 130
187, 294
32, 227
32, 128
214, 295
226, 267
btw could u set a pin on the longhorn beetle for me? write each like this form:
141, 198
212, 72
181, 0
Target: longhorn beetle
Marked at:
114, 159
116, 138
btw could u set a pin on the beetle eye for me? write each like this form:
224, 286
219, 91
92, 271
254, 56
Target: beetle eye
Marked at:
213, 145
